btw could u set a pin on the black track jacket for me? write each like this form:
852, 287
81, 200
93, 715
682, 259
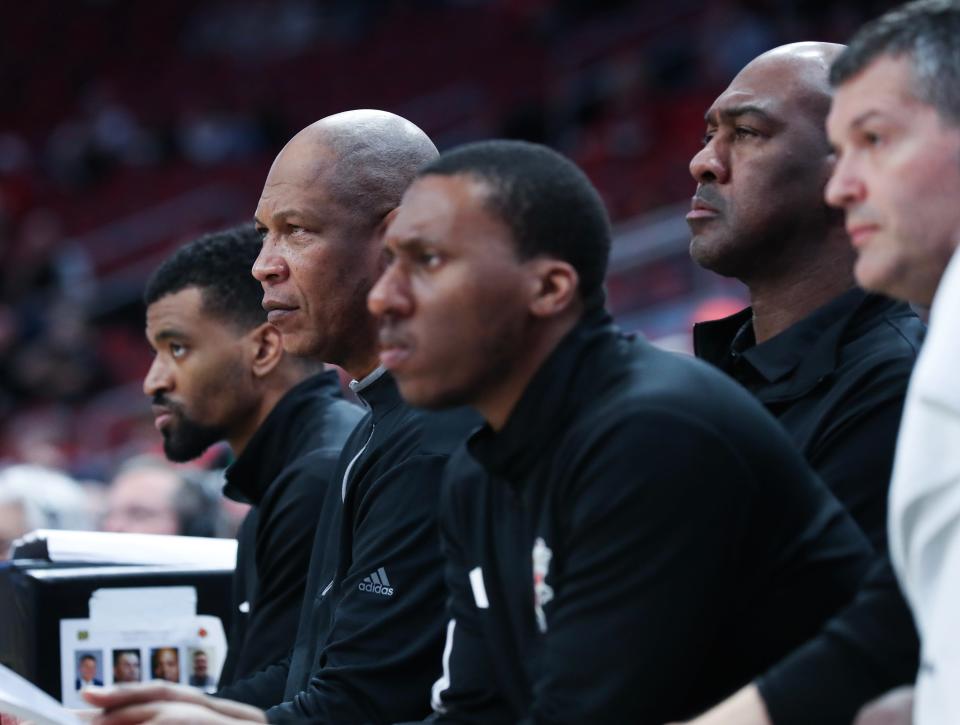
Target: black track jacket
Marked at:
371, 631
284, 472
640, 540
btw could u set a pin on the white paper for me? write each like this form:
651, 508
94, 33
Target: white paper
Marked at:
143, 604
24, 700
107, 547
137, 634
142, 643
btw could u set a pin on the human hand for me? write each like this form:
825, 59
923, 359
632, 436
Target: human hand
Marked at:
171, 713
142, 703
893, 708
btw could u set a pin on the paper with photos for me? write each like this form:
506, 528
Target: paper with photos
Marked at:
137, 635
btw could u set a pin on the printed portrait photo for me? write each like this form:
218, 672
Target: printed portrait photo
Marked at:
200, 676
89, 668
126, 665
165, 664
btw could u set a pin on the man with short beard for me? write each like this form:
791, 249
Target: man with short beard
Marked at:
370, 639
220, 373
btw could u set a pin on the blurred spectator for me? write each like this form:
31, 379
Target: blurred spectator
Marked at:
214, 137
38, 436
148, 495
32, 497
167, 115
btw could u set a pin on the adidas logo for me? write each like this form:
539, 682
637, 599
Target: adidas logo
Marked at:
376, 583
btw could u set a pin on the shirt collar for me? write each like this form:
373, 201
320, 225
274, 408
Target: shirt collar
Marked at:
547, 404
357, 386
378, 392
806, 350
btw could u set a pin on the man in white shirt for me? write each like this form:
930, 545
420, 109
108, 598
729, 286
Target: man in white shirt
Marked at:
895, 127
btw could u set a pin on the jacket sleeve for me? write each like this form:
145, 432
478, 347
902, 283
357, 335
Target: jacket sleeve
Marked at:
263, 689
381, 641
871, 646
656, 507
284, 545
868, 648
466, 691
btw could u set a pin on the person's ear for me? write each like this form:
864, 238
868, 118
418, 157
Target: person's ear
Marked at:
267, 348
385, 222
554, 286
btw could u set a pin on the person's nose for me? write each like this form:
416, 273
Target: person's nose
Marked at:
270, 267
710, 163
391, 294
159, 378
846, 185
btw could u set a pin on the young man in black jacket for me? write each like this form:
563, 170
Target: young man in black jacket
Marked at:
371, 631
220, 373
631, 535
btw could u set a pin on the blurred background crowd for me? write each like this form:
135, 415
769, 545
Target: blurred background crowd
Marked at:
128, 128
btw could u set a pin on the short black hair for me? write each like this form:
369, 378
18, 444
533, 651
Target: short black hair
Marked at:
219, 265
87, 657
928, 33
547, 202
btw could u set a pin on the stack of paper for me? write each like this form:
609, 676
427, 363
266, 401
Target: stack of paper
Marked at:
27, 702
97, 547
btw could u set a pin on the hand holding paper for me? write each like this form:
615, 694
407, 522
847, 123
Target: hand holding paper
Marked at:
159, 702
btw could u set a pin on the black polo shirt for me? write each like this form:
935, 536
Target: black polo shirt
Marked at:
836, 380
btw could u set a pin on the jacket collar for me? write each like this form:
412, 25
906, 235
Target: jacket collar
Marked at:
546, 406
279, 439
378, 392
799, 357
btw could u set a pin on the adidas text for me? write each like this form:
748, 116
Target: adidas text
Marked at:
377, 583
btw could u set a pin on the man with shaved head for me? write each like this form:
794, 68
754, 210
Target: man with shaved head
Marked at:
370, 638
828, 359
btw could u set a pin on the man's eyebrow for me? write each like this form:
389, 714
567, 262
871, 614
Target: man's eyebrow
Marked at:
284, 213
734, 112
864, 117
171, 333
407, 243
